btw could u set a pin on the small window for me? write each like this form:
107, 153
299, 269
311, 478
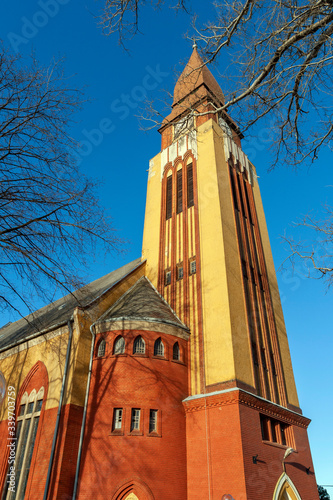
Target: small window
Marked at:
135, 420
117, 419
193, 266
180, 271
101, 349
176, 352
139, 346
274, 431
152, 421
167, 277
119, 346
159, 348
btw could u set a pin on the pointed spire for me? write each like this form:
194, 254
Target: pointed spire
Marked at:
196, 75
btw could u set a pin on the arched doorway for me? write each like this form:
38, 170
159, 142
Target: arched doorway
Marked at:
285, 489
131, 496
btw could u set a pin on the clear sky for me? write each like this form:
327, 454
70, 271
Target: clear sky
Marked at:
115, 83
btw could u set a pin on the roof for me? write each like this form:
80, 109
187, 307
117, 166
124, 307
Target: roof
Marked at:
142, 302
195, 84
194, 75
60, 311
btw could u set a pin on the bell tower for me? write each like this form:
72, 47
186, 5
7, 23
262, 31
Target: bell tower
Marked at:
207, 250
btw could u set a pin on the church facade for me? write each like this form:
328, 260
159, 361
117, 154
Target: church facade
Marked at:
169, 378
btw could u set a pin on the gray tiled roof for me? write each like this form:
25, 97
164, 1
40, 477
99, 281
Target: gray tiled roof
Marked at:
143, 302
60, 311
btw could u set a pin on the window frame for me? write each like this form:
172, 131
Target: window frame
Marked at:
179, 271
159, 344
102, 342
136, 341
136, 423
118, 339
118, 418
25, 450
178, 358
168, 197
192, 263
167, 277
155, 420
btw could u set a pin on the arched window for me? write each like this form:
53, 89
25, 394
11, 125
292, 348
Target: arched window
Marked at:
101, 348
139, 346
119, 345
159, 348
26, 431
176, 352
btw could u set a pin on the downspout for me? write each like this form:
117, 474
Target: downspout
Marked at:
55, 435
93, 336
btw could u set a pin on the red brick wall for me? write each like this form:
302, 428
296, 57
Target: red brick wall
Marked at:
223, 463
62, 479
158, 463
65, 458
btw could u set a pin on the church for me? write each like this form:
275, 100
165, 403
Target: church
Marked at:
169, 378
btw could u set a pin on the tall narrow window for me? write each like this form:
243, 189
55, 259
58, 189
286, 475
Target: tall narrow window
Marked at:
190, 194
153, 421
26, 432
139, 346
101, 348
169, 197
119, 346
159, 348
176, 352
135, 420
179, 191
117, 419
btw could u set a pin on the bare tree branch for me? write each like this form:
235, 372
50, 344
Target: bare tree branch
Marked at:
50, 218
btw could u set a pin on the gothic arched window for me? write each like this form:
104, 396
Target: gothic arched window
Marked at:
159, 348
139, 346
26, 431
101, 348
119, 345
176, 352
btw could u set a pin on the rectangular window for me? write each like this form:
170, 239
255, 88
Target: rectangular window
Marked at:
153, 421
190, 194
283, 429
169, 198
167, 277
117, 419
193, 266
180, 271
264, 427
179, 191
274, 431
135, 420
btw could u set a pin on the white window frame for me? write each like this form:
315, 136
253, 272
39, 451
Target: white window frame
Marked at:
159, 347
117, 419
135, 419
153, 417
122, 346
139, 346
25, 449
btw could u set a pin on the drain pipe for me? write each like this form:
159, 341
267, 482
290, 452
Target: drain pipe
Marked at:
93, 336
55, 435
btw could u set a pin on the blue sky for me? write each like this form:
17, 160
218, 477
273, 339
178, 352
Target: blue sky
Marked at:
116, 152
